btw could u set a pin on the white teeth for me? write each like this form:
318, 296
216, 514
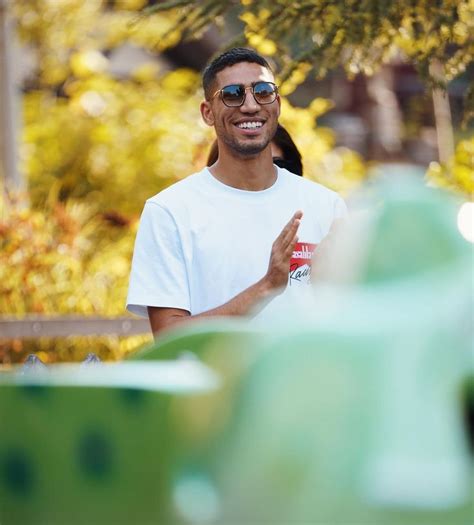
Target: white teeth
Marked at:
250, 125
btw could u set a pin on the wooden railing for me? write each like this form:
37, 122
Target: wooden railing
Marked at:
33, 326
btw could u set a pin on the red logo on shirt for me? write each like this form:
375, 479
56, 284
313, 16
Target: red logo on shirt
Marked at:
300, 263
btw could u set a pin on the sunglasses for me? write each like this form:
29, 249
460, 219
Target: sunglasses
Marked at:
233, 96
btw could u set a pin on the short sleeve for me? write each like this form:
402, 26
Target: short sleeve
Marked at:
340, 209
158, 276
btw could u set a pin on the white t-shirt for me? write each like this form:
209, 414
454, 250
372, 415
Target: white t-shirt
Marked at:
201, 242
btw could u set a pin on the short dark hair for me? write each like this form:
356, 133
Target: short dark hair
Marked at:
229, 58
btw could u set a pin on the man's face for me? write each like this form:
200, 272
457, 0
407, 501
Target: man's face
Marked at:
233, 125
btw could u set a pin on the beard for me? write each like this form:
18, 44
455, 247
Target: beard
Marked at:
248, 148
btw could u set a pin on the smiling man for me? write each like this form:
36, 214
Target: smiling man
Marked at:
241, 232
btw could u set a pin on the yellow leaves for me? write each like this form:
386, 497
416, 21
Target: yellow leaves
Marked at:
44, 356
319, 106
250, 20
132, 5
337, 168
254, 21
101, 134
256, 32
170, 39
465, 178
338, 39
267, 47
146, 72
461, 32
47, 257
92, 103
264, 14
263, 45
445, 31
458, 174
86, 63
53, 28
181, 80
112, 138
466, 12
297, 77
54, 72
154, 32
64, 259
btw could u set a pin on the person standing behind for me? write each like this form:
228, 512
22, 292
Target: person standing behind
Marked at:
237, 234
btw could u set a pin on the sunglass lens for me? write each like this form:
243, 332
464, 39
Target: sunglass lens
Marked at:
233, 95
264, 92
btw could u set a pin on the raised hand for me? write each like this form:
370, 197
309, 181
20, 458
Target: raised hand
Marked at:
282, 250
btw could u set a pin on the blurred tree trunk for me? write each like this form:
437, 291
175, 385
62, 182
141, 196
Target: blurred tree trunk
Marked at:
8, 115
384, 116
442, 111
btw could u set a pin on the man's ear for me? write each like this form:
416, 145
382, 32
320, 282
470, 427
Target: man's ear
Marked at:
278, 99
206, 112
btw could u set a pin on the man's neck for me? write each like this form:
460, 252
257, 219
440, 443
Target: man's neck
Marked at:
255, 173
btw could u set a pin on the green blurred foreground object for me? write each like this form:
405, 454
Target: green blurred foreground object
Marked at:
349, 414
91, 445
196, 339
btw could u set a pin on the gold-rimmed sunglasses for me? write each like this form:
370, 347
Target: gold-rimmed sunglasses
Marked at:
233, 95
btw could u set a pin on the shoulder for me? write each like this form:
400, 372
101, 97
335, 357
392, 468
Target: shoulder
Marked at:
317, 199
309, 187
178, 192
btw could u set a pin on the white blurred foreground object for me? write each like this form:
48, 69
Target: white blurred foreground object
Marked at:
185, 376
466, 221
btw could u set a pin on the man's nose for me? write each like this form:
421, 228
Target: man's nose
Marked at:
250, 104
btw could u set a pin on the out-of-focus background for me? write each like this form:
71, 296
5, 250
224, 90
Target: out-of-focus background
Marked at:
99, 110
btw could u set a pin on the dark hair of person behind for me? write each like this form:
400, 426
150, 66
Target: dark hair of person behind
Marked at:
291, 156
227, 59
291, 160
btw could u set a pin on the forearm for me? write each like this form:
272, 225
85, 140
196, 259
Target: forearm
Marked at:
245, 302
249, 300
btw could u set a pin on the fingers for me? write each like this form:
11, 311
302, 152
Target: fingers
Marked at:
287, 251
282, 250
286, 241
289, 231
